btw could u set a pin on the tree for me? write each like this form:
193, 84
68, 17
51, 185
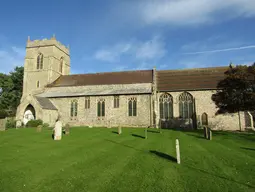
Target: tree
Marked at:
11, 90
237, 91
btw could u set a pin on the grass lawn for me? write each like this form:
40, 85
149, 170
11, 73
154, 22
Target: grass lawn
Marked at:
100, 160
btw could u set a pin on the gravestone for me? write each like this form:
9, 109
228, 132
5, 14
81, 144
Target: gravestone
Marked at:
145, 133
67, 129
209, 134
3, 124
39, 128
178, 156
58, 131
205, 132
119, 130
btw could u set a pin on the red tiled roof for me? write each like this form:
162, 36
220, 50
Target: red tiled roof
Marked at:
190, 79
124, 77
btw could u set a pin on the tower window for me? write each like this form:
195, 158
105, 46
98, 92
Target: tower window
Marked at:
61, 65
39, 61
38, 84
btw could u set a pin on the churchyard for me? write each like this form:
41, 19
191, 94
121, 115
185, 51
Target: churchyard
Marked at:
100, 159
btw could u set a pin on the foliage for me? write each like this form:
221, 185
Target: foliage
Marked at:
45, 125
11, 90
11, 123
237, 91
99, 160
34, 123
3, 114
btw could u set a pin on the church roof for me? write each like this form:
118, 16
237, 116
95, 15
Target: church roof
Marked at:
45, 103
190, 79
123, 77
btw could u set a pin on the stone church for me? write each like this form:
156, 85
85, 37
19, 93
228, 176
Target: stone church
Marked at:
144, 98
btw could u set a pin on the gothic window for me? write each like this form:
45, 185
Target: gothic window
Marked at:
101, 108
186, 105
39, 61
74, 108
38, 84
87, 103
132, 107
61, 65
166, 106
116, 101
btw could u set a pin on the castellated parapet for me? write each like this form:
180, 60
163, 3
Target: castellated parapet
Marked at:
47, 42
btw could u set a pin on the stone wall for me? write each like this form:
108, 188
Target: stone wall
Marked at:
113, 116
204, 104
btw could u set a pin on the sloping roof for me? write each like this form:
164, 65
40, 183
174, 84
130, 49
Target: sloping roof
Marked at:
91, 90
190, 79
124, 77
45, 103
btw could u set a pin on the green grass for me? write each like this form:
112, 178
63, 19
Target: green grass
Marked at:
99, 160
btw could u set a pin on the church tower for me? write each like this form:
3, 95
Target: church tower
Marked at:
45, 61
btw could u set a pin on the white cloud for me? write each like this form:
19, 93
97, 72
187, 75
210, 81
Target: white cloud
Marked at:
136, 50
10, 58
186, 12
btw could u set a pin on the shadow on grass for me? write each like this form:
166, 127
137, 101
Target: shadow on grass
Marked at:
123, 145
197, 136
115, 132
164, 156
152, 131
228, 179
135, 135
247, 148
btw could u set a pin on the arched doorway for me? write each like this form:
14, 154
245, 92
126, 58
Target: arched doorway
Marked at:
29, 114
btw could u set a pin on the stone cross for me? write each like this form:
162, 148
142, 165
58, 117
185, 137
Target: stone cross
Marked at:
119, 130
58, 130
178, 156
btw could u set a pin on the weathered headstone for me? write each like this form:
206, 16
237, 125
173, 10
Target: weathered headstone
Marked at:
67, 129
178, 156
3, 124
39, 128
58, 130
119, 130
205, 132
209, 134
145, 133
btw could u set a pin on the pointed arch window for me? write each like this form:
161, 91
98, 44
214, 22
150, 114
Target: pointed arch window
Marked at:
132, 107
74, 108
39, 61
61, 65
166, 106
101, 108
38, 84
186, 105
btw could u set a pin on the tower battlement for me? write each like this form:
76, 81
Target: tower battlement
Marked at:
47, 42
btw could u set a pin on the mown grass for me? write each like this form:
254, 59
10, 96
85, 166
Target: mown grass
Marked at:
98, 159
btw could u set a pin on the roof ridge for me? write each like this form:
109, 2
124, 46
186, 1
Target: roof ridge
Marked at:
195, 69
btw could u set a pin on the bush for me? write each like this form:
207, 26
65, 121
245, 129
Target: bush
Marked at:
11, 123
3, 114
45, 125
34, 123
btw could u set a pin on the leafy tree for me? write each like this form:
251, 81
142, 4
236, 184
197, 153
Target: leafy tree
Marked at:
11, 90
237, 91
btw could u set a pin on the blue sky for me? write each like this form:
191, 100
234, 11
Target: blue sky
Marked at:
116, 35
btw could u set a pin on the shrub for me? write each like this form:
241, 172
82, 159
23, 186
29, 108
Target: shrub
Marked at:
11, 123
34, 123
3, 114
45, 125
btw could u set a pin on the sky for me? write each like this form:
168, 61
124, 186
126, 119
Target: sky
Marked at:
117, 35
